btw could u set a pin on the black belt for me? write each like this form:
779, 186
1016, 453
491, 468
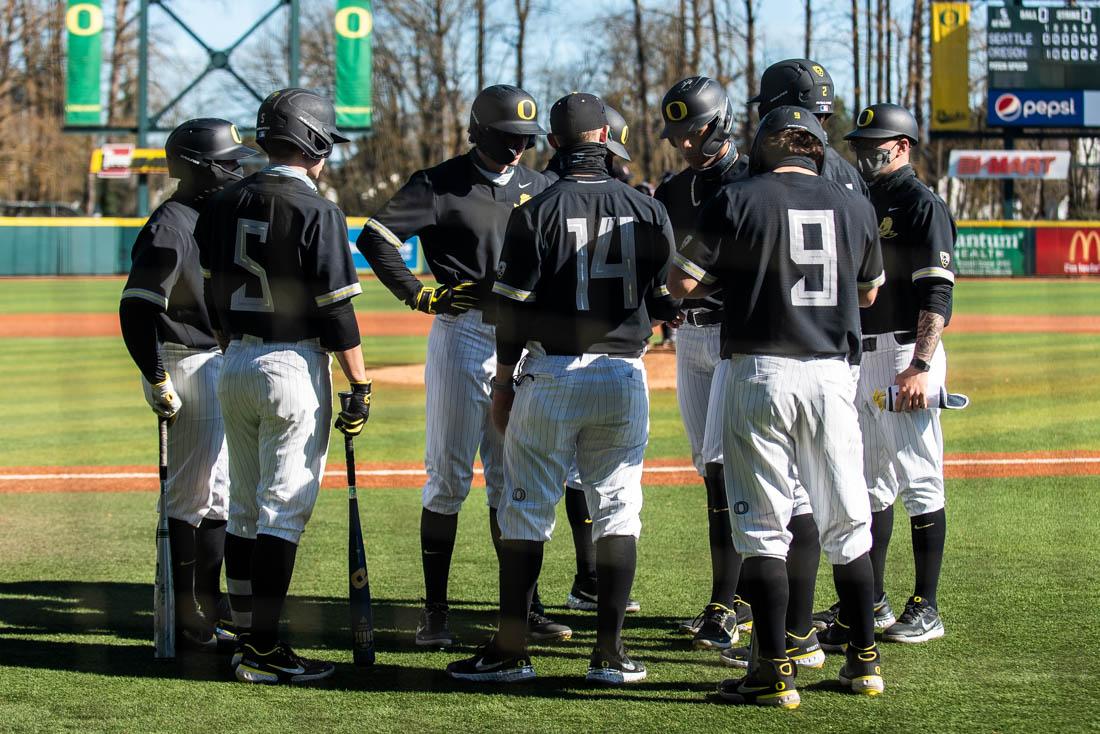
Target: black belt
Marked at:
271, 339
704, 318
623, 355
870, 343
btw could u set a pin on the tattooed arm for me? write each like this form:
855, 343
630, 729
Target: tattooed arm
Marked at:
912, 382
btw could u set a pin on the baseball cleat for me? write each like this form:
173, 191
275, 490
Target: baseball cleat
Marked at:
541, 628
862, 671
718, 630
825, 617
920, 622
278, 664
584, 601
804, 651
432, 629
614, 669
770, 684
744, 614
490, 665
834, 638
884, 616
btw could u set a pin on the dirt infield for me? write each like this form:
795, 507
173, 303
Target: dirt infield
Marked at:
412, 323
48, 479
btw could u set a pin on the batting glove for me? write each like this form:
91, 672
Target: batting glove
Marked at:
447, 299
162, 397
355, 409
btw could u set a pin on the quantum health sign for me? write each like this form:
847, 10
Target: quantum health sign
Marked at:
994, 250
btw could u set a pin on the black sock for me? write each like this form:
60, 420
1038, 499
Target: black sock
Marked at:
855, 586
272, 568
209, 552
616, 560
494, 532
238, 578
725, 564
437, 544
576, 509
520, 564
802, 560
764, 580
929, 534
882, 527
181, 539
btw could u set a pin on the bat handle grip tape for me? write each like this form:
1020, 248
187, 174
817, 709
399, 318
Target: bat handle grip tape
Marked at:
162, 454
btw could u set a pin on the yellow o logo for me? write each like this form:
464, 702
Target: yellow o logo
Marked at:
676, 111
93, 21
235, 134
623, 134
526, 109
865, 117
364, 23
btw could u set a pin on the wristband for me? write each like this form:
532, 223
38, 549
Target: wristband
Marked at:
507, 386
919, 364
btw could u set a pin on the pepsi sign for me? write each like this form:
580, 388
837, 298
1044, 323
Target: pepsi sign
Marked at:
1026, 108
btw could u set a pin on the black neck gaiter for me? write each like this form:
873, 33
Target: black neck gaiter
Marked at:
585, 160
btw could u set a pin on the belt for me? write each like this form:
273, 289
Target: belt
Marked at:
870, 343
704, 317
253, 339
620, 355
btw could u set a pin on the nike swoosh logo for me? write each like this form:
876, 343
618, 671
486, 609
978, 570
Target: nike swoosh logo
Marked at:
893, 208
290, 671
922, 527
523, 186
751, 689
481, 668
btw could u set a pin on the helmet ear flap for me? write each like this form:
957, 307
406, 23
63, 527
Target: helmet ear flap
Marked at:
805, 87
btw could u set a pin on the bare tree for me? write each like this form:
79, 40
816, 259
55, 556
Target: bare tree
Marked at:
750, 67
870, 28
808, 45
716, 39
855, 57
643, 90
523, 9
889, 21
480, 7
696, 35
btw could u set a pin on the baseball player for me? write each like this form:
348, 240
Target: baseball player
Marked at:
903, 451
582, 273
168, 334
460, 209
279, 289
795, 255
698, 122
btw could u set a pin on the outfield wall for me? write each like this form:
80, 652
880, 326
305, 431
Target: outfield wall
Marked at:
101, 246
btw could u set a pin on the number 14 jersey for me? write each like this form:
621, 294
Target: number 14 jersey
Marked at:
791, 252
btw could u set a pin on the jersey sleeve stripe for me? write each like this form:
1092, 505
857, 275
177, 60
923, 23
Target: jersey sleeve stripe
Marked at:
338, 295
205, 273
150, 296
934, 273
875, 283
385, 232
692, 269
516, 294
661, 290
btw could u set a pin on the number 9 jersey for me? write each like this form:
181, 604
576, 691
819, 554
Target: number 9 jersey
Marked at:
791, 250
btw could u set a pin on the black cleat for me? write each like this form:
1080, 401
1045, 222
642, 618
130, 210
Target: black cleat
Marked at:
432, 630
278, 664
614, 669
585, 600
805, 652
834, 638
771, 683
862, 671
884, 616
718, 630
743, 612
541, 628
920, 622
490, 665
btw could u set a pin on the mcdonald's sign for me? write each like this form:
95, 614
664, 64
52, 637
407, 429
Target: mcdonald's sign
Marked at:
1067, 251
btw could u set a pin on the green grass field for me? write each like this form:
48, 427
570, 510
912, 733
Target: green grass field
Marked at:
1020, 586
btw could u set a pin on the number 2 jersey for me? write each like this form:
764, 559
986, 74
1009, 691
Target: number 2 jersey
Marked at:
790, 252
277, 257
588, 259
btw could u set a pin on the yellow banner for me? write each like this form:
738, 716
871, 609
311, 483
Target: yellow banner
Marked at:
120, 161
950, 66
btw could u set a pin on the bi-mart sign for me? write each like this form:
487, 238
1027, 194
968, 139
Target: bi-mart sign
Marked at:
1025, 164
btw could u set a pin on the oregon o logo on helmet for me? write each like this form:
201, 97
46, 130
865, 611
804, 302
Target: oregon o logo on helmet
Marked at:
865, 117
235, 134
364, 22
676, 111
526, 109
84, 19
623, 134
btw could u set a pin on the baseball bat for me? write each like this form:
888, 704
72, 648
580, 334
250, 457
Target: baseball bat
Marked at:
164, 600
359, 598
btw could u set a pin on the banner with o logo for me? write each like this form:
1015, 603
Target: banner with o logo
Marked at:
83, 33
354, 33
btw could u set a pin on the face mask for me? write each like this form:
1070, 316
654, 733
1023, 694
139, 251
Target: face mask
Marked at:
870, 162
502, 149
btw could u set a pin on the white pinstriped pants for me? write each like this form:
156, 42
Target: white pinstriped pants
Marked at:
698, 350
277, 404
461, 361
198, 480
593, 407
784, 415
902, 452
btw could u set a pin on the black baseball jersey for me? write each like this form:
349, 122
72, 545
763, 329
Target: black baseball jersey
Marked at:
165, 272
587, 259
460, 217
277, 254
918, 248
684, 195
790, 251
838, 169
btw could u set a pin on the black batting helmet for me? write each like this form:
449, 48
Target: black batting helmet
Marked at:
503, 108
618, 133
885, 121
785, 117
300, 117
202, 148
694, 103
800, 82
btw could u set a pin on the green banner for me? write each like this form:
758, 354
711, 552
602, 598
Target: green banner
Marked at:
995, 250
84, 29
354, 25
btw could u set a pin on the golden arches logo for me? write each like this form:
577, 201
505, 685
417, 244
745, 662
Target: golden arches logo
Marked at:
623, 134
235, 134
84, 19
526, 109
676, 111
1090, 243
865, 117
364, 23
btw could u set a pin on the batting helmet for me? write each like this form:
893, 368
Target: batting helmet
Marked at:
800, 82
618, 134
503, 108
884, 121
786, 117
694, 103
200, 150
300, 117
